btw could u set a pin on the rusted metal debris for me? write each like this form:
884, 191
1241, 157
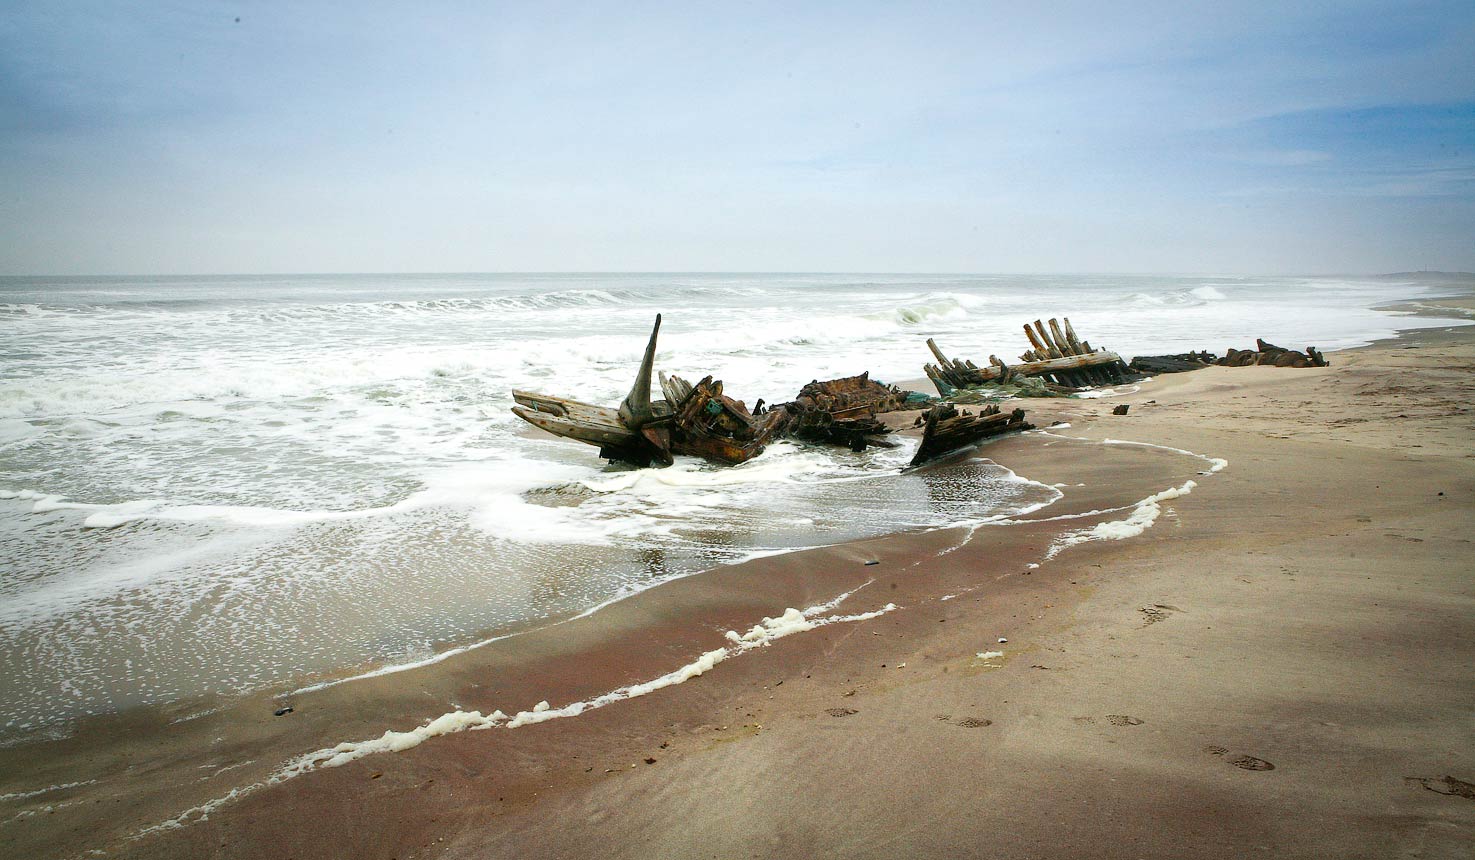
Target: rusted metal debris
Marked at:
1269, 353
692, 419
700, 420
947, 429
1058, 356
843, 411
1180, 363
1263, 353
710, 424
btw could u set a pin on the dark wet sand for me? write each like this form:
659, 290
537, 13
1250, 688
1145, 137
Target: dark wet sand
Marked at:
1272, 668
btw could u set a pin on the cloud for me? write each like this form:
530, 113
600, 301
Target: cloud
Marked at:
168, 137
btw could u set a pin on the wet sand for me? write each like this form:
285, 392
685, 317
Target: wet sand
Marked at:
1281, 664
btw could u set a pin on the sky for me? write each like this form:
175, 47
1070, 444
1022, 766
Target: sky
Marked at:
1224, 137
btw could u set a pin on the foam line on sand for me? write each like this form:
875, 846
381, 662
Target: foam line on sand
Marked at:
760, 635
1142, 518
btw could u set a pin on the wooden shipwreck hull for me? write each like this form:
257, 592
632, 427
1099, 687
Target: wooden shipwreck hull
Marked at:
1057, 356
700, 420
947, 429
692, 419
709, 424
843, 412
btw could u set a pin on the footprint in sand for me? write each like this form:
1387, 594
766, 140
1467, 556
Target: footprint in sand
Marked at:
1243, 762
973, 722
1158, 612
965, 722
1123, 720
1448, 786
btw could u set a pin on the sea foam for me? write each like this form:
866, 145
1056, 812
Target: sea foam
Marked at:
762, 634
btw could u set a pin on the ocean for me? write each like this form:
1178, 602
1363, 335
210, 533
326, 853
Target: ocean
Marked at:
211, 486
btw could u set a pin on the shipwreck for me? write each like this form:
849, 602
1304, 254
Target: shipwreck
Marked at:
691, 419
1264, 353
700, 420
1059, 358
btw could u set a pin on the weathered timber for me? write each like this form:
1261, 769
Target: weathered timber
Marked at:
636, 410
1269, 353
852, 392
572, 419
675, 388
1070, 335
1057, 337
710, 424
1263, 353
1180, 363
946, 429
1059, 357
843, 411
692, 419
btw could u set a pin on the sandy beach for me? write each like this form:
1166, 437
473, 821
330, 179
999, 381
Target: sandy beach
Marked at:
1275, 659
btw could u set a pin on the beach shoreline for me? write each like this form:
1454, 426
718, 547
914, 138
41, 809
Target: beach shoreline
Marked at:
1088, 736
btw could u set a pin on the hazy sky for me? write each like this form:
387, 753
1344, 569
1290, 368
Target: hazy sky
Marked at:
191, 137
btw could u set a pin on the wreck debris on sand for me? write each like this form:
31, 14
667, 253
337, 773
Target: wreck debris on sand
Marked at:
708, 423
1269, 353
700, 420
1179, 363
692, 419
1058, 356
1263, 353
948, 429
843, 411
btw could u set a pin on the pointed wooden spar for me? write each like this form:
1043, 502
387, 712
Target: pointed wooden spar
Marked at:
1093, 375
1050, 347
636, 411
1070, 335
1034, 340
1085, 376
1060, 342
1056, 347
941, 359
943, 385
676, 390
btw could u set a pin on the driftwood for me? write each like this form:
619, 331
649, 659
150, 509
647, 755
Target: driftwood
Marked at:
947, 429
1269, 353
692, 419
1058, 356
